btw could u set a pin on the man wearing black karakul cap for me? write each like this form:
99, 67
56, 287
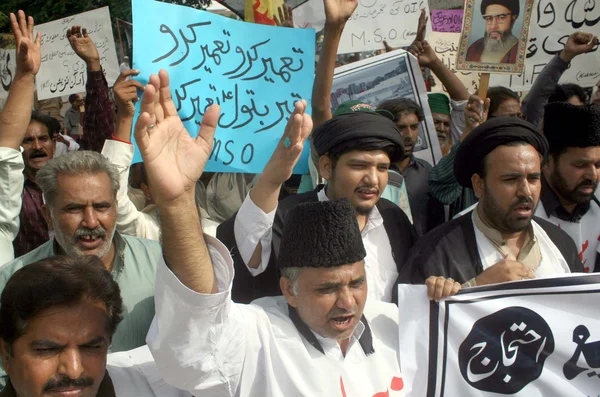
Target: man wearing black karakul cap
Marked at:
355, 151
499, 44
322, 338
500, 240
571, 176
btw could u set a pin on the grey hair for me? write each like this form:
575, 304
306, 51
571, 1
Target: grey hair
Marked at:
292, 274
74, 163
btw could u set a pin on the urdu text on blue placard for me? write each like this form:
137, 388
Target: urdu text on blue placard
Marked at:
254, 72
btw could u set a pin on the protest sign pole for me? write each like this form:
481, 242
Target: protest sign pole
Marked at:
120, 40
484, 84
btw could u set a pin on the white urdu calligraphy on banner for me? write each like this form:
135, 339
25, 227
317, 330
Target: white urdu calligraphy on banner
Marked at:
535, 338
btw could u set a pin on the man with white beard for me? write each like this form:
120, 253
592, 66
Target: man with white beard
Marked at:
498, 45
80, 190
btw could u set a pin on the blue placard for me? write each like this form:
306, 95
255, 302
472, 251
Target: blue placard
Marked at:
254, 72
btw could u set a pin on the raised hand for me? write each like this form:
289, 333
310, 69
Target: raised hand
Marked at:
287, 153
424, 52
337, 12
286, 18
126, 93
420, 48
422, 27
84, 47
173, 159
578, 43
476, 113
28, 45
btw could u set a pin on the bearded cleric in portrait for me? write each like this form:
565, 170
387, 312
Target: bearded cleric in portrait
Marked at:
499, 44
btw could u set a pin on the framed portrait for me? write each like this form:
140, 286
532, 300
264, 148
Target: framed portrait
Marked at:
395, 74
494, 36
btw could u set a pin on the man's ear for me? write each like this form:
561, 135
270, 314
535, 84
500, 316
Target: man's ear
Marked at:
6, 354
550, 165
287, 288
325, 167
47, 216
478, 185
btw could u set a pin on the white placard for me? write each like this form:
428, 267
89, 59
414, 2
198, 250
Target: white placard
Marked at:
535, 338
552, 22
8, 65
394, 21
445, 46
62, 71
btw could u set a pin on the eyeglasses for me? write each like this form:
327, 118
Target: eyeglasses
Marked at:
499, 17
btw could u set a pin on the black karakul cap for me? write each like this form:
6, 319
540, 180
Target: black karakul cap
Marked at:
321, 234
567, 125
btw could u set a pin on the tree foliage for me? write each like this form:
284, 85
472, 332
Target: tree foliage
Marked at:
50, 10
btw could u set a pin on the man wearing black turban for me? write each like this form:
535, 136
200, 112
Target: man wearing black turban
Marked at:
500, 239
499, 44
571, 176
355, 151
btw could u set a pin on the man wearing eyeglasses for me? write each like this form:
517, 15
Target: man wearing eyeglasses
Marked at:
498, 45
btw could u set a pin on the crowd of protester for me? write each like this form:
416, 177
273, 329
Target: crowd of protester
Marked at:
159, 279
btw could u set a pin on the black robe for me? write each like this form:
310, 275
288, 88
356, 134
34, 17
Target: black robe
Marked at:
450, 250
246, 288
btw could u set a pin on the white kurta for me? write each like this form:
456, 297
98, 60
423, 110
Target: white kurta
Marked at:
553, 263
585, 233
134, 374
11, 189
210, 346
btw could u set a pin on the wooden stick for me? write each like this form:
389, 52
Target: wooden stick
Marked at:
484, 84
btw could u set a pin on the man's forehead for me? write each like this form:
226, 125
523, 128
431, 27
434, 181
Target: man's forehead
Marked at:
96, 186
333, 274
440, 116
496, 9
367, 155
77, 323
36, 129
407, 117
590, 153
517, 156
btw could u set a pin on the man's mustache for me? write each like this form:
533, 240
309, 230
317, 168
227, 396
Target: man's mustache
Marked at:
85, 232
64, 382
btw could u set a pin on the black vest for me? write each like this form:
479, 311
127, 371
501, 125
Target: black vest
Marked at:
246, 288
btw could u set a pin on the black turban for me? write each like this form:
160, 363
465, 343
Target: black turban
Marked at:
321, 234
488, 136
359, 131
512, 5
567, 125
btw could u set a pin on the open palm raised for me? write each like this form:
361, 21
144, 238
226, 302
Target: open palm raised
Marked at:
28, 44
173, 159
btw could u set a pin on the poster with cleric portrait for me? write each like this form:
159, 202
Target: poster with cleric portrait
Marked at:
395, 74
534, 338
494, 36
